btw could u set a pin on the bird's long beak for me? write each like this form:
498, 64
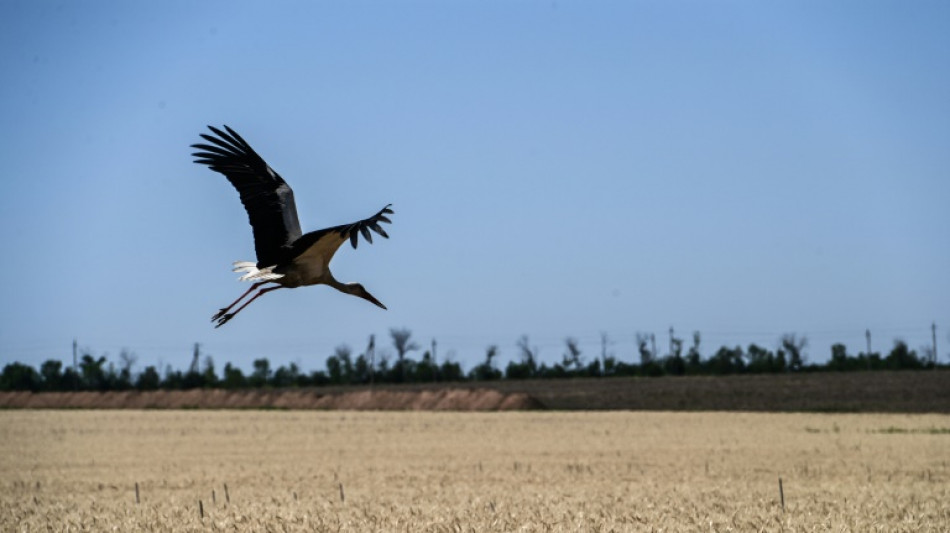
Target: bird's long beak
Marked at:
371, 298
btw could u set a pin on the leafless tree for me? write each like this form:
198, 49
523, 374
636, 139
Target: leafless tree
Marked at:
794, 346
529, 355
403, 345
572, 358
693, 354
128, 359
490, 353
401, 342
676, 345
646, 355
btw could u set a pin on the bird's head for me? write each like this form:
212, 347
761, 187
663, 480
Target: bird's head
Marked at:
358, 290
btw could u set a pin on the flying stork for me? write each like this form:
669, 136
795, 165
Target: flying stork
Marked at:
285, 257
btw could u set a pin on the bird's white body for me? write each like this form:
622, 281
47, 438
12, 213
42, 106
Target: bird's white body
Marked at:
309, 268
252, 273
300, 274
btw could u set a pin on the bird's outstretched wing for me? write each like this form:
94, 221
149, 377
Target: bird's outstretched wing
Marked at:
267, 198
325, 242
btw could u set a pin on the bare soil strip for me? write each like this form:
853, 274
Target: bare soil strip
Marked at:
449, 399
869, 392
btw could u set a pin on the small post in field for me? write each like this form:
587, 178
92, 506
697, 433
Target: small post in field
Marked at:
136, 492
214, 498
201, 510
227, 498
342, 497
781, 494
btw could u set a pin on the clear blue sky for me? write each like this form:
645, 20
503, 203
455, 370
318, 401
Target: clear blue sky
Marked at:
744, 169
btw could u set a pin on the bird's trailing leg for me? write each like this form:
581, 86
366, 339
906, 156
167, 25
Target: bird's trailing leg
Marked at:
224, 310
224, 318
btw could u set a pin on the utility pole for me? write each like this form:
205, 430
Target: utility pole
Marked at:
194, 359
671, 341
867, 335
371, 353
75, 366
435, 364
653, 345
933, 333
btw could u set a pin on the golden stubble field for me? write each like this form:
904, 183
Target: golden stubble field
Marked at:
518, 471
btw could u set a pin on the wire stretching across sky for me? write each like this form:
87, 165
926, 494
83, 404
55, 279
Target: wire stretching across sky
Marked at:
556, 170
470, 349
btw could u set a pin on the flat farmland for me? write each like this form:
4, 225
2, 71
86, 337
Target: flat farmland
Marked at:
502, 471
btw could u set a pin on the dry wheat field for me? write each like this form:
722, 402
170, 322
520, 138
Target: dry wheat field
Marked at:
514, 471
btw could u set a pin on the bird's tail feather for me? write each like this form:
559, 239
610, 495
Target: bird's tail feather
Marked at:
252, 273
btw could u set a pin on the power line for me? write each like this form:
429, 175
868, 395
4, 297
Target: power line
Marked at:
470, 347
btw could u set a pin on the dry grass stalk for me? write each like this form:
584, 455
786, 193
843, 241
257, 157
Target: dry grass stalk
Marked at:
781, 494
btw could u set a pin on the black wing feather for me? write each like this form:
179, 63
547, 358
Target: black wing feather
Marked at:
345, 232
375, 227
267, 198
363, 227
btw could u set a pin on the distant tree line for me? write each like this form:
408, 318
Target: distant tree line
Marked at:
91, 373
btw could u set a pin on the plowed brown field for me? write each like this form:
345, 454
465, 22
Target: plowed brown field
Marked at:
864, 392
